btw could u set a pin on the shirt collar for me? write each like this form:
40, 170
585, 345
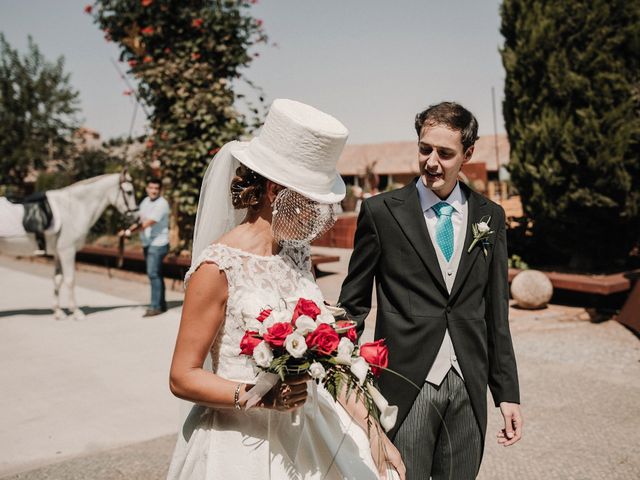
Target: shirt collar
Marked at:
428, 199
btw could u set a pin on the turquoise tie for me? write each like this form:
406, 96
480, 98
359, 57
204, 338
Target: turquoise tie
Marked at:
444, 228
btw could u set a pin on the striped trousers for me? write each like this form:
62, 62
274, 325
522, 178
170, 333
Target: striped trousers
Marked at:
440, 437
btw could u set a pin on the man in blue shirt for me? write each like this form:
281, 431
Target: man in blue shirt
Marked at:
154, 233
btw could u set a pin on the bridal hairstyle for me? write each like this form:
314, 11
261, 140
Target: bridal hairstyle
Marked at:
247, 188
452, 115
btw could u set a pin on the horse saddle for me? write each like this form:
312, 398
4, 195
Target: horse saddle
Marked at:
37, 212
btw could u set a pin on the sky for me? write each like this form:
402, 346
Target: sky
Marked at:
373, 64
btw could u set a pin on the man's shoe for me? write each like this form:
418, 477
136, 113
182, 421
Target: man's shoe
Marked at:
152, 312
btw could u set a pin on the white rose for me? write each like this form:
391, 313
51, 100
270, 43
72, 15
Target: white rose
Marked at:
317, 371
325, 318
483, 227
276, 316
388, 413
295, 345
262, 354
254, 325
305, 324
345, 349
360, 368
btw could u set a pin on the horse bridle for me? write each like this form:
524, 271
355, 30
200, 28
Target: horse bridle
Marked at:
124, 197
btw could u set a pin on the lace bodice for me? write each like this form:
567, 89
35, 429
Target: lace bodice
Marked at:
255, 282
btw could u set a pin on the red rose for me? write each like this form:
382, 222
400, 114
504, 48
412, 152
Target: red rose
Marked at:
376, 354
197, 22
249, 342
88, 9
349, 330
147, 59
324, 338
133, 63
305, 307
264, 314
259, 22
146, 3
147, 31
277, 333
195, 56
352, 335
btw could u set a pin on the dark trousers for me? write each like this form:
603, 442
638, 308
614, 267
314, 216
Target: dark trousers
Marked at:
440, 437
153, 257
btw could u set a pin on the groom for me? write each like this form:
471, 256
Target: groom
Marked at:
442, 303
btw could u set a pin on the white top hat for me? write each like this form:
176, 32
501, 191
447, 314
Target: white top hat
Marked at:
298, 148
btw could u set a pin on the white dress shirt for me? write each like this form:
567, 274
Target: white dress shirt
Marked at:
446, 358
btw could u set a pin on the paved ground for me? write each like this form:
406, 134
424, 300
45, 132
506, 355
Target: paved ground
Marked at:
580, 387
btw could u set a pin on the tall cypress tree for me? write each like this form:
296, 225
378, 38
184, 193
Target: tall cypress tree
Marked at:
572, 113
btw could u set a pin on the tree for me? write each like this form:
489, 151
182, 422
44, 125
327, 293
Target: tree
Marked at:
186, 57
37, 112
572, 105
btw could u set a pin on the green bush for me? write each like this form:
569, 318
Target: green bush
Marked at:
571, 108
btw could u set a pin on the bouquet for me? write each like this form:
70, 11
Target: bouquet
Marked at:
310, 340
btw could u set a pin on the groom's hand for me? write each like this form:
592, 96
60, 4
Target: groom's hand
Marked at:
512, 431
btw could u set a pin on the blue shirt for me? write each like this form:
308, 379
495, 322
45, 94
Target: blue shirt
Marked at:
157, 235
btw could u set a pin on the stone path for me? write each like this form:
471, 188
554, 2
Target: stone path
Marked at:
580, 387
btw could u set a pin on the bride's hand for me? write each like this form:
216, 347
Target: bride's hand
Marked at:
288, 395
384, 453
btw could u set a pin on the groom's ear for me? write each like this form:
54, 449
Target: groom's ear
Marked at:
468, 154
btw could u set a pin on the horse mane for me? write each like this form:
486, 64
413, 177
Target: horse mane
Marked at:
89, 181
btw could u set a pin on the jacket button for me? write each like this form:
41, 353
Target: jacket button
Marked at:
448, 309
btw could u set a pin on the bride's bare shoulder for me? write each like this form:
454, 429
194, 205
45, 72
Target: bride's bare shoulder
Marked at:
242, 238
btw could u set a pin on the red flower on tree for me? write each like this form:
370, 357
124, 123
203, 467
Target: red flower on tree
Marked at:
213, 151
147, 31
195, 56
133, 63
259, 22
197, 22
88, 9
146, 3
147, 59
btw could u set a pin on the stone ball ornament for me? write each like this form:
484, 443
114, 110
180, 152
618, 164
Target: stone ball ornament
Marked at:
531, 289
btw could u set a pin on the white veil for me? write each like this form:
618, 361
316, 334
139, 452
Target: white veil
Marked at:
214, 218
216, 214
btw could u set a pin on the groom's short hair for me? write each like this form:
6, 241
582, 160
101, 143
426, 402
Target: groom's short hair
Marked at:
452, 115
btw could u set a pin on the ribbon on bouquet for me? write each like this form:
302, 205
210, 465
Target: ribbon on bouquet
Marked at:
285, 428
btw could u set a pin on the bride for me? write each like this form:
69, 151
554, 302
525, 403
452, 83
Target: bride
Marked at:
261, 204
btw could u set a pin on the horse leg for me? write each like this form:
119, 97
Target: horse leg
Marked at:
68, 263
58, 314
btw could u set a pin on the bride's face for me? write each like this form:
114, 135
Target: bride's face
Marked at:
297, 219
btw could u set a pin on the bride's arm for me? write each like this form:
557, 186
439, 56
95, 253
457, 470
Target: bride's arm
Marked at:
382, 450
203, 313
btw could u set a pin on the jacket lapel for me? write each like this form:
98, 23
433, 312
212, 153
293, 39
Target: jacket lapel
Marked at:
478, 208
405, 207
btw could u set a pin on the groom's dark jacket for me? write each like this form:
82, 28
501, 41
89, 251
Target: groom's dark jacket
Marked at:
394, 249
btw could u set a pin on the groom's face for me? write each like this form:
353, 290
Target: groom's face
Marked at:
441, 156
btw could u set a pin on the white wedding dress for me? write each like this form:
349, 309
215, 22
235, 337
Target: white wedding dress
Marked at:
319, 442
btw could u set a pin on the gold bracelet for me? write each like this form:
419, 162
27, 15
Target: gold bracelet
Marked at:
236, 398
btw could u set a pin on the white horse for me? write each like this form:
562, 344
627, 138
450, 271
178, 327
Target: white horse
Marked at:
75, 209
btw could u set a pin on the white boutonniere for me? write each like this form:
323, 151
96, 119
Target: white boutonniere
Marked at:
481, 232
